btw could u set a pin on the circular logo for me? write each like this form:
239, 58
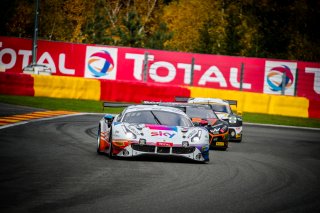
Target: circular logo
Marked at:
100, 63
275, 78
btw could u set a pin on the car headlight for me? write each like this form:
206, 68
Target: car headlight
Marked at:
128, 133
232, 119
196, 137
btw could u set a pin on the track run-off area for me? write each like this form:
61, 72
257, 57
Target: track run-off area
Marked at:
52, 166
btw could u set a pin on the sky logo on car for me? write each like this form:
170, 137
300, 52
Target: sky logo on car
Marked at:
161, 133
274, 77
101, 63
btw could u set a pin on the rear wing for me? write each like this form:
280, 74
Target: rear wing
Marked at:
173, 104
185, 100
234, 109
233, 102
151, 102
113, 104
181, 99
180, 106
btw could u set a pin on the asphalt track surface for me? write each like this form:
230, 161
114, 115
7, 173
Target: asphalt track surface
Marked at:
52, 166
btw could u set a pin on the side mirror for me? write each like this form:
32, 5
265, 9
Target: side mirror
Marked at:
108, 119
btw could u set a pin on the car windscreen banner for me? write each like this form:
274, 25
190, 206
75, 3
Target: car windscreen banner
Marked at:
260, 75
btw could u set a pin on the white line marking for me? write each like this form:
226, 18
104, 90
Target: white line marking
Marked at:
282, 126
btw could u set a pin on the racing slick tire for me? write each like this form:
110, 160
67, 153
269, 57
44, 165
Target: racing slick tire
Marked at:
111, 148
206, 161
99, 141
238, 140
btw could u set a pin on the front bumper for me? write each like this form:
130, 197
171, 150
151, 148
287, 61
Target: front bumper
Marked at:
197, 153
219, 141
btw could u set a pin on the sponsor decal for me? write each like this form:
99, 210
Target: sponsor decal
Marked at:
132, 129
316, 81
165, 67
164, 144
274, 77
101, 62
171, 70
192, 133
161, 133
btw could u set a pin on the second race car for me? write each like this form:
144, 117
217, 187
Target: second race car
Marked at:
223, 110
203, 115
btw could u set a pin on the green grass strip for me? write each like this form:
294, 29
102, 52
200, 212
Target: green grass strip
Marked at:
281, 120
58, 104
96, 106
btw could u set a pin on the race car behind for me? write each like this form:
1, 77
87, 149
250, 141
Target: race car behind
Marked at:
203, 115
223, 110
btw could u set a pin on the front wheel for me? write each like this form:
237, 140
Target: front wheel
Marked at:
239, 140
110, 148
99, 141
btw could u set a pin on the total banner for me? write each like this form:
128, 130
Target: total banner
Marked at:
259, 75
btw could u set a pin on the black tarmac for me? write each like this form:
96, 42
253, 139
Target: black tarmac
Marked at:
53, 166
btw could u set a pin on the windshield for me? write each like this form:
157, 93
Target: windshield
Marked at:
200, 112
221, 108
157, 117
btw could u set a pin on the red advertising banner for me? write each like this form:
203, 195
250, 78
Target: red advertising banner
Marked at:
165, 67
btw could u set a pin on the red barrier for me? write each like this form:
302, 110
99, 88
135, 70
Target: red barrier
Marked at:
136, 92
314, 111
16, 84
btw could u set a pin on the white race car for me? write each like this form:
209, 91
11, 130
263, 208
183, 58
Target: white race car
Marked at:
152, 130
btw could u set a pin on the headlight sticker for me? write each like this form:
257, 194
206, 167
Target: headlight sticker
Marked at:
192, 133
133, 130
